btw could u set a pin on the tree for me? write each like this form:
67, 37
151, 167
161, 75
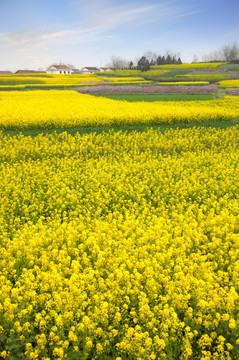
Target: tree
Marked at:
159, 60
151, 57
143, 64
195, 59
179, 61
117, 62
225, 53
168, 59
230, 52
71, 66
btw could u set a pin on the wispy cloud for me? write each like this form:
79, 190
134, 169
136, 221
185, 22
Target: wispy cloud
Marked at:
19, 39
98, 21
188, 13
96, 18
28, 40
106, 15
115, 16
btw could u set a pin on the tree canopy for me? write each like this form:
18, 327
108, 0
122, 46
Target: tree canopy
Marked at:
143, 64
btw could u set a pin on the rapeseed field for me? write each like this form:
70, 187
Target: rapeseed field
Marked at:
229, 83
117, 245
49, 80
63, 109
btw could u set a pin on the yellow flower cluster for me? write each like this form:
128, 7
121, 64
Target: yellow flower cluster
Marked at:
229, 83
49, 79
55, 108
74, 79
196, 66
120, 245
83, 79
64, 80
16, 79
202, 77
131, 73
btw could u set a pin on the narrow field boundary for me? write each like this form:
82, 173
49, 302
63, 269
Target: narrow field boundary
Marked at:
129, 128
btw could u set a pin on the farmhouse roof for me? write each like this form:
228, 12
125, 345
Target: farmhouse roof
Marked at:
60, 67
26, 72
5, 72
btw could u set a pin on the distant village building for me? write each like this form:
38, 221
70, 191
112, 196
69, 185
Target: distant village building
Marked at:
28, 72
5, 72
89, 70
59, 69
76, 71
106, 69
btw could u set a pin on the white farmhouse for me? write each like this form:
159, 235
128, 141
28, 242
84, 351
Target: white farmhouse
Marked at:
106, 69
59, 69
89, 70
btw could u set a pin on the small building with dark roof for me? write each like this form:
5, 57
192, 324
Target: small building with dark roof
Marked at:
5, 72
106, 69
27, 72
76, 71
89, 70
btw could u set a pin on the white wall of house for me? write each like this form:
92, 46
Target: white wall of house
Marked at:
53, 70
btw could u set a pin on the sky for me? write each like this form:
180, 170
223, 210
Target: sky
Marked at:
35, 34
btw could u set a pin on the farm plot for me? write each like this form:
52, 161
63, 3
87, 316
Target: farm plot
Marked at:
48, 81
120, 245
148, 89
65, 109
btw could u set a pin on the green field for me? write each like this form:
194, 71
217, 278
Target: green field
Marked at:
158, 97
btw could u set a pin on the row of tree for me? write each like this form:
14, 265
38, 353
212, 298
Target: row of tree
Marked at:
144, 63
229, 53
166, 59
148, 59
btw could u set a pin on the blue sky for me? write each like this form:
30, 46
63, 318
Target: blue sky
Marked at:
36, 33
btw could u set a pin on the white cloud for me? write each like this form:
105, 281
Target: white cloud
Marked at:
21, 39
57, 34
109, 19
94, 21
188, 13
99, 16
105, 15
29, 40
116, 16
